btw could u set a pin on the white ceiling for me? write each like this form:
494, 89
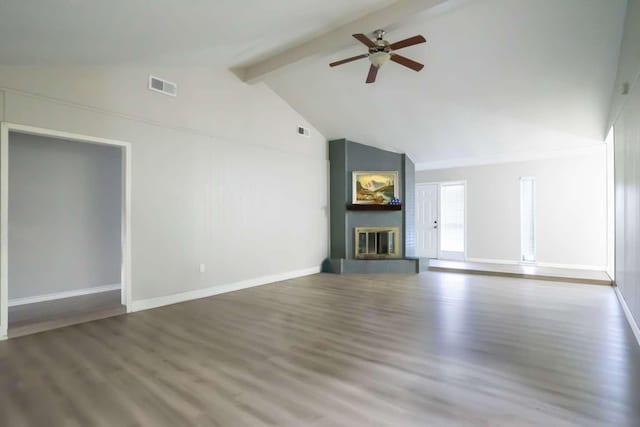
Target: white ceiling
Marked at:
504, 79
167, 32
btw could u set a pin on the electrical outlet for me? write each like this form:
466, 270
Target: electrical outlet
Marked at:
202, 268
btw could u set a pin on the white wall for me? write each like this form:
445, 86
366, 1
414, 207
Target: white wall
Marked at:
611, 207
571, 208
629, 61
627, 165
625, 114
64, 215
219, 175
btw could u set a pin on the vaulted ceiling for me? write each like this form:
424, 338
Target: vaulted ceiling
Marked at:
504, 79
165, 32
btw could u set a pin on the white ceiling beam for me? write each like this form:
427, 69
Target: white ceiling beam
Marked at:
339, 38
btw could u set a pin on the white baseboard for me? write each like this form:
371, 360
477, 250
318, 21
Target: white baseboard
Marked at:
147, 304
65, 294
628, 315
539, 264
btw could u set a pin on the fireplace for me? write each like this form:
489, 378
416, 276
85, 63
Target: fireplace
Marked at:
376, 242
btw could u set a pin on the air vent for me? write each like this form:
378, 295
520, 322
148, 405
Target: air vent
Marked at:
303, 131
166, 87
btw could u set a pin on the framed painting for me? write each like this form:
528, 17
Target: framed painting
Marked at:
374, 187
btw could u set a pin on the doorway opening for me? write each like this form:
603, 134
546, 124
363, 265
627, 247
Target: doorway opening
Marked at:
65, 229
441, 220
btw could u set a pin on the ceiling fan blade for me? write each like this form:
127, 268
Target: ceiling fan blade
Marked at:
373, 72
344, 61
407, 42
364, 40
409, 63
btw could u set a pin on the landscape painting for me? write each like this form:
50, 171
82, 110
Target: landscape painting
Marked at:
374, 187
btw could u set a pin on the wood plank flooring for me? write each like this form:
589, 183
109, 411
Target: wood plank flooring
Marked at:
43, 316
435, 349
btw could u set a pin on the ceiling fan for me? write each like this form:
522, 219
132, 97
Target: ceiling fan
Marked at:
381, 51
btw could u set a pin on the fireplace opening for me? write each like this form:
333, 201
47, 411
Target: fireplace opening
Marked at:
376, 242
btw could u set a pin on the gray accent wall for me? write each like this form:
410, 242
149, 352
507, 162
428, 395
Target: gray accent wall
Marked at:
362, 157
346, 157
338, 196
409, 206
64, 215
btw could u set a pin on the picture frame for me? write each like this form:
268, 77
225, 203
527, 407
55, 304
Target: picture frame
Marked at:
374, 187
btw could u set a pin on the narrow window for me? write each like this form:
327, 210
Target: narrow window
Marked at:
452, 218
528, 218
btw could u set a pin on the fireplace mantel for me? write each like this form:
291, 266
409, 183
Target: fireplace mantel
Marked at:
374, 207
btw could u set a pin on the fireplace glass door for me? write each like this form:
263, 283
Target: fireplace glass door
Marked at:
376, 242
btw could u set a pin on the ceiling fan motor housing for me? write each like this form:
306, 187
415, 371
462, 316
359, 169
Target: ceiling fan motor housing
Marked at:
381, 53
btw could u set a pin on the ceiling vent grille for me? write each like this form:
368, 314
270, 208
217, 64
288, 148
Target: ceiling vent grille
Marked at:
166, 87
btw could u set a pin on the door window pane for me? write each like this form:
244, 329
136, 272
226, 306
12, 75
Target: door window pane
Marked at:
452, 218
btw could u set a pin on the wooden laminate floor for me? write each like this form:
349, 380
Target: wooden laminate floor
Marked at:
43, 316
435, 349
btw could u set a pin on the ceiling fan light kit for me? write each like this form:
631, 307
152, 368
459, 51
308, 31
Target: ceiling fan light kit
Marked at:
379, 58
381, 51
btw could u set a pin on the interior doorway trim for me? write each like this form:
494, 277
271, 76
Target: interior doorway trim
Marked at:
5, 129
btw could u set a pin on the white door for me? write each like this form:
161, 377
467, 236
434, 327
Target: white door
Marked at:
427, 220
